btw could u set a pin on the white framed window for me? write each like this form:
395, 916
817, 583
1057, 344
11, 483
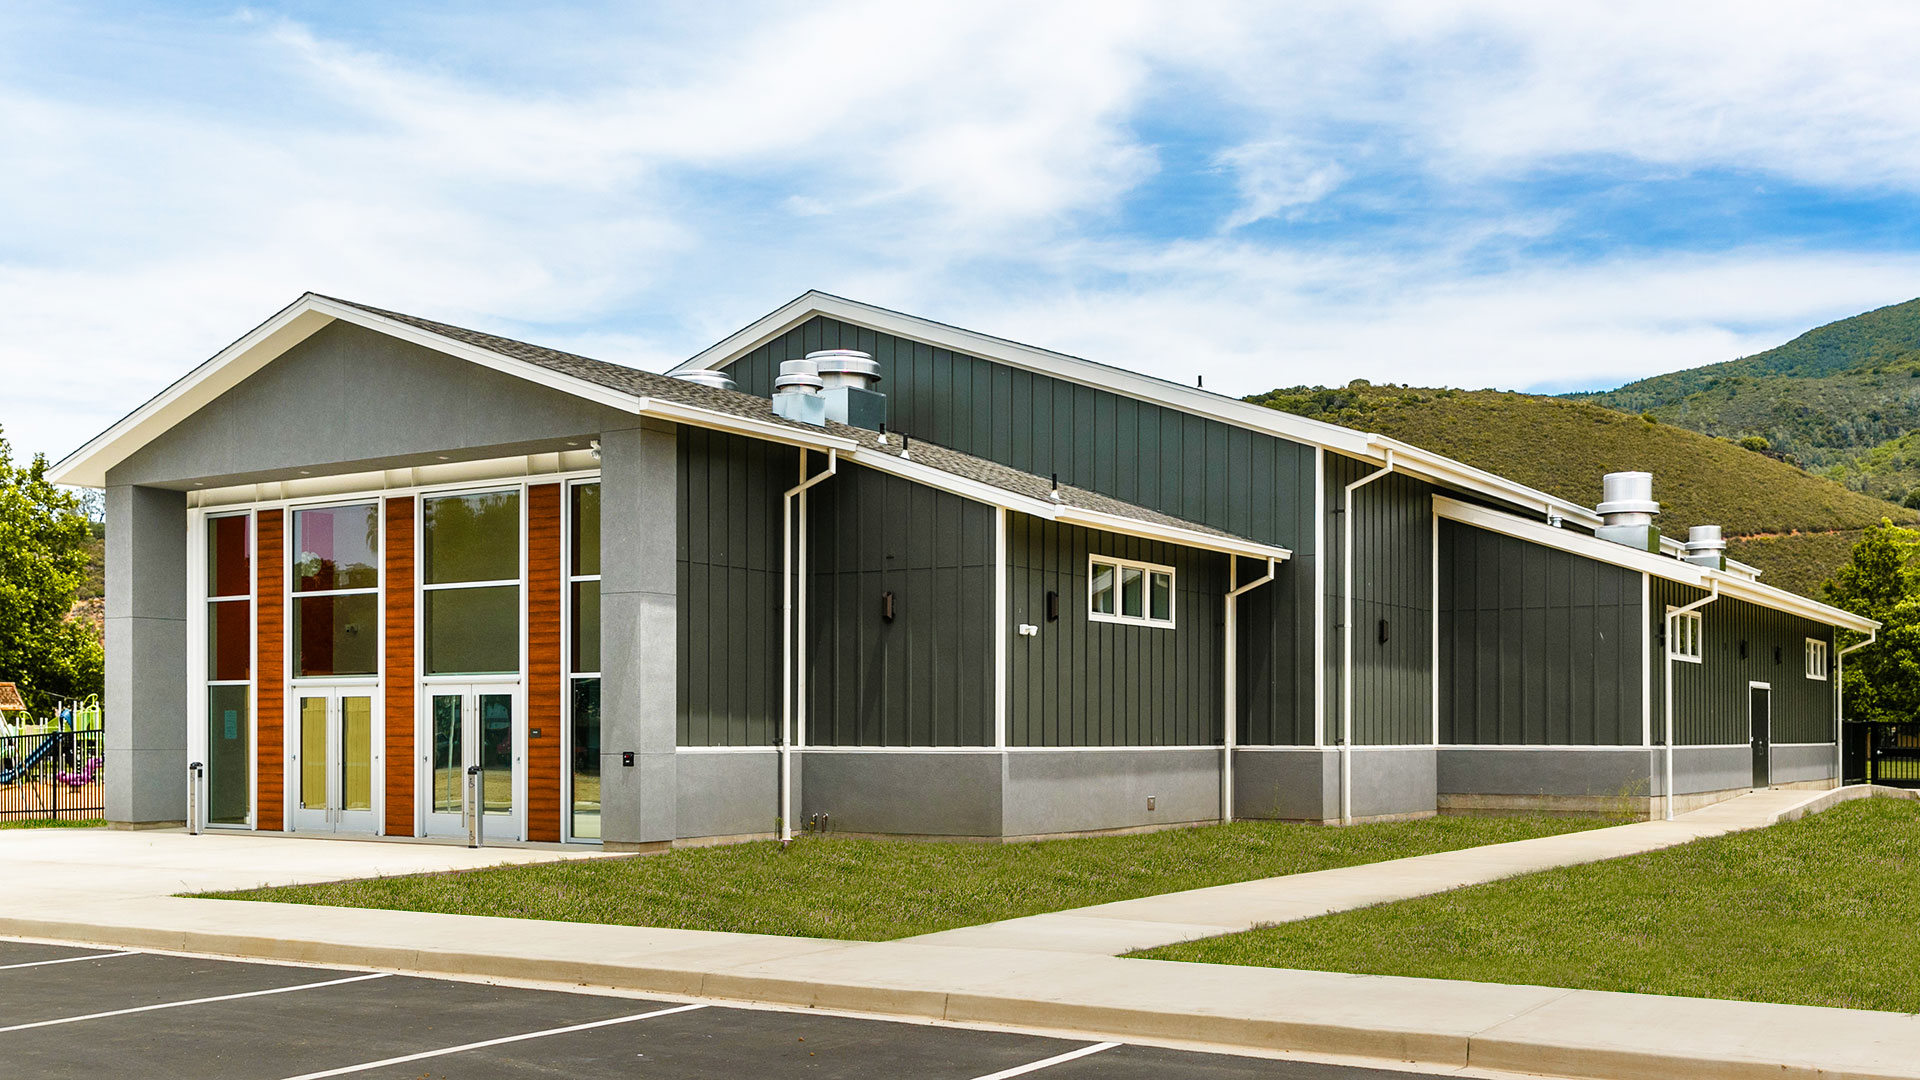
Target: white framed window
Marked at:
1816, 659
1129, 591
1683, 636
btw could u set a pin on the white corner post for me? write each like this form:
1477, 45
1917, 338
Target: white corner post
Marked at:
1346, 640
1230, 730
793, 675
1000, 628
1667, 688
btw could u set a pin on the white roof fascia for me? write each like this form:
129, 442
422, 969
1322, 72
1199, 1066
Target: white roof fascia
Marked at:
1660, 566
1226, 545
293, 324
1426, 464
743, 425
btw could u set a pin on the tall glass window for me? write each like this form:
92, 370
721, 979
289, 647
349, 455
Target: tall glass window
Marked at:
229, 673
583, 586
336, 590
470, 583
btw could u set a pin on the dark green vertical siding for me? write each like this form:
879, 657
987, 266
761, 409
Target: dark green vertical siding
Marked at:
1197, 468
729, 587
1710, 698
1537, 646
925, 678
1087, 683
1393, 580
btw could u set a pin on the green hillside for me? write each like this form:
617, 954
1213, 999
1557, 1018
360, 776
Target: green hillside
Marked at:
1823, 399
1564, 447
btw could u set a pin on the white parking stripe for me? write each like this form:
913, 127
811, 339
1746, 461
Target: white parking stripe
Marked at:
346, 1070
195, 1001
1048, 1063
68, 960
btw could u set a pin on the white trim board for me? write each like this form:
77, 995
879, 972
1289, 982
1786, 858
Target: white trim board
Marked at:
1735, 585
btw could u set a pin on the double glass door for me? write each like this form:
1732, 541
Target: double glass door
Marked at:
330, 764
469, 726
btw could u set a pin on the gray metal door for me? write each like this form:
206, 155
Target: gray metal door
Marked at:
1758, 711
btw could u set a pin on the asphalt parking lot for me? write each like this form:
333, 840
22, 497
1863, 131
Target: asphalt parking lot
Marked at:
72, 1011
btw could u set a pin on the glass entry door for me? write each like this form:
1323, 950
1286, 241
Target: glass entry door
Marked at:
468, 726
330, 764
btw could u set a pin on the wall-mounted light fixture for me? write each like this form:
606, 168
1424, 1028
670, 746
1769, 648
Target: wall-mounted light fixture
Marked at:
1743, 649
1384, 630
886, 607
1053, 607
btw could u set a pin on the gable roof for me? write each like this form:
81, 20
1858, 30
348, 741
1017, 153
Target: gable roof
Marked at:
642, 393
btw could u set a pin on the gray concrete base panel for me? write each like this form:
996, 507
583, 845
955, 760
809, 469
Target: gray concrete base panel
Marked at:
932, 793
1070, 791
1286, 783
1394, 781
1801, 764
728, 793
1625, 772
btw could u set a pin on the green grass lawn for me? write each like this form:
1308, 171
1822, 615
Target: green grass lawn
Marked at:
52, 823
874, 890
1821, 911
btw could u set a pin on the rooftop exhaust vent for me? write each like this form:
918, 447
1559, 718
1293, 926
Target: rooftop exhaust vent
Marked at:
719, 380
1627, 509
831, 384
1706, 547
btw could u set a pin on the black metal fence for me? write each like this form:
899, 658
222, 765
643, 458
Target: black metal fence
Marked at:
1881, 753
53, 774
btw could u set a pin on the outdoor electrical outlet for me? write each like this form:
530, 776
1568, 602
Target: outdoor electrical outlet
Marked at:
1149, 802
626, 758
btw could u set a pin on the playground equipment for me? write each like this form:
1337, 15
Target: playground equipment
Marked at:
77, 721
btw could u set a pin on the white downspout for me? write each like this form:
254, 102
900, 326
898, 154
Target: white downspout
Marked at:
1839, 690
1231, 730
1667, 688
1346, 644
788, 673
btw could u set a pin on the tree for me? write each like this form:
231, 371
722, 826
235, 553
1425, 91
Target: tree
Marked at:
43, 560
1882, 581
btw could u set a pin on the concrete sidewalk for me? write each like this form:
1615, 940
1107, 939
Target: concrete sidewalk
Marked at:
1169, 918
1435, 1023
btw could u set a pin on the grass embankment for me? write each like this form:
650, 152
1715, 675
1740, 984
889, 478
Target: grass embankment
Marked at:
1821, 911
875, 890
53, 823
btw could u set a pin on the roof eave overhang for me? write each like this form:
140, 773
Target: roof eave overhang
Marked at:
293, 324
1661, 566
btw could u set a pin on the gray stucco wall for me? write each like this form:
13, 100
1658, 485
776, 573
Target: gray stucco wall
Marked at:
728, 793
1626, 772
146, 676
948, 793
638, 630
1793, 764
1706, 768
1086, 790
349, 398
1291, 784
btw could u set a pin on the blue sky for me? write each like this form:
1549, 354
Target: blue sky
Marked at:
1481, 194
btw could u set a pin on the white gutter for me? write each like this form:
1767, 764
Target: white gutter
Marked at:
1231, 730
1668, 687
793, 677
1839, 690
1346, 649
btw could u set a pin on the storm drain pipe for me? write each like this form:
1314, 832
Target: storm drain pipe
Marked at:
793, 681
1232, 696
1346, 646
1839, 689
1668, 688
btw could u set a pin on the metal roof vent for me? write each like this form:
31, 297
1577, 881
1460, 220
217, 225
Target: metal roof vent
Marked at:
719, 380
1627, 509
848, 377
1706, 547
796, 393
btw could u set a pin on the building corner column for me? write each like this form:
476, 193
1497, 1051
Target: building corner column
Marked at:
146, 677
639, 632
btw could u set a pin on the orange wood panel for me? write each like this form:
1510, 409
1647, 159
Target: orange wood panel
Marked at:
400, 673
544, 697
269, 592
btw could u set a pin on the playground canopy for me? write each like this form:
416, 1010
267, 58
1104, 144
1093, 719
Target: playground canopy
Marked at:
10, 698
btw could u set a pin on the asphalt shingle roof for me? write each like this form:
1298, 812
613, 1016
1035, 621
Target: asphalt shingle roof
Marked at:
748, 406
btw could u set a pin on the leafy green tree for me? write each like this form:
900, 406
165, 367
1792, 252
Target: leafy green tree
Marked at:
43, 560
1882, 581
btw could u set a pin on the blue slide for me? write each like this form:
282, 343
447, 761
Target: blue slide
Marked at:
9, 775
